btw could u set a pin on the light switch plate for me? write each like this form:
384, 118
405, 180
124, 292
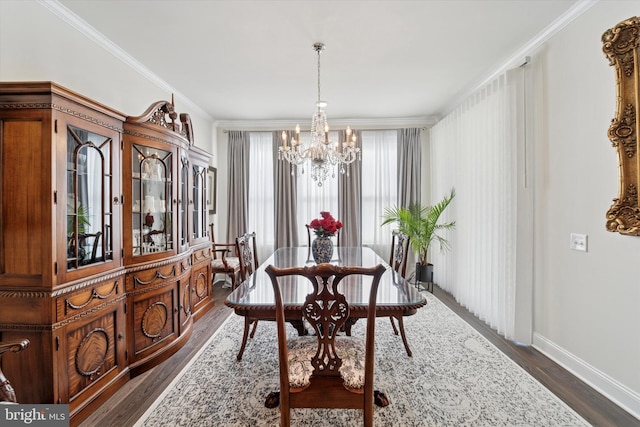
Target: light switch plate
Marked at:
578, 242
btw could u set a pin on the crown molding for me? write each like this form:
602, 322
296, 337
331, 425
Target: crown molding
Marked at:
514, 60
520, 57
81, 25
381, 123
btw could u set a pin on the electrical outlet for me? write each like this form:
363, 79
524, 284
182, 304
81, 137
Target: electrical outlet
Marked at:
578, 242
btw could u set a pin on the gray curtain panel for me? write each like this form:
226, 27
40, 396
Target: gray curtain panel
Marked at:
409, 163
286, 189
238, 187
350, 199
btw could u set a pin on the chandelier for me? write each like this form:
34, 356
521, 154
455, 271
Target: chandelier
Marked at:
323, 154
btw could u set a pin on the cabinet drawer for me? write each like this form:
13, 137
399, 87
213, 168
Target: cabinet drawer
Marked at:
201, 256
90, 295
154, 275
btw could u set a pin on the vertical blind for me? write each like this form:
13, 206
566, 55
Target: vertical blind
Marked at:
474, 149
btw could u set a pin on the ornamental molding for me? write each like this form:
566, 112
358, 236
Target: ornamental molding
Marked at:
82, 284
621, 46
62, 109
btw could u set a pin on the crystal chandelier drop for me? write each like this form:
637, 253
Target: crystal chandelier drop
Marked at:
323, 154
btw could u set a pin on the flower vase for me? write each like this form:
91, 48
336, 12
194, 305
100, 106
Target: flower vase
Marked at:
322, 249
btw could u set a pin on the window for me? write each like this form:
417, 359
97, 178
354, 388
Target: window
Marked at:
379, 177
261, 208
380, 186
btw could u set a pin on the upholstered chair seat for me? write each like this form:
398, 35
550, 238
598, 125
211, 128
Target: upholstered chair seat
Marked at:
232, 263
351, 350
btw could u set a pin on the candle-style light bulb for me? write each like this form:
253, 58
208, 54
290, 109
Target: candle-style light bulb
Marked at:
284, 139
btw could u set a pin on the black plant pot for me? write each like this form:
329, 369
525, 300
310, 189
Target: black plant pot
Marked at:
424, 274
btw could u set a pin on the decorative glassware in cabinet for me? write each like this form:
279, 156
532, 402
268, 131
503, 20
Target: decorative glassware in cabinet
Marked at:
151, 204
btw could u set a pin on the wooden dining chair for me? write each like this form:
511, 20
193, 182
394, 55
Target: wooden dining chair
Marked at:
398, 261
325, 370
247, 255
222, 263
7, 393
399, 252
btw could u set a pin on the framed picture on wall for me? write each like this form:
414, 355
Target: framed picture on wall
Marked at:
211, 189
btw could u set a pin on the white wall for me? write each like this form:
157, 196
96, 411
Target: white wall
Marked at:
586, 305
38, 45
586, 309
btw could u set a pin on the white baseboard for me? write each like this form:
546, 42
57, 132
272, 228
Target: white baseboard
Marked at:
618, 393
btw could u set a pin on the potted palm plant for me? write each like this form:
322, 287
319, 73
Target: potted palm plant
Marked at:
421, 224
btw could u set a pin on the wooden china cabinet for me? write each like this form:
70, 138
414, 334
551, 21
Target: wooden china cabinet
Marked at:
163, 200
105, 260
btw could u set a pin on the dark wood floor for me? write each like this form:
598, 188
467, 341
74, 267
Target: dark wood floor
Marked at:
128, 404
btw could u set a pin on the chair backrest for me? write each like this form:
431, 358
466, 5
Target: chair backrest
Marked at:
221, 249
326, 309
213, 240
399, 252
91, 240
7, 393
247, 254
309, 236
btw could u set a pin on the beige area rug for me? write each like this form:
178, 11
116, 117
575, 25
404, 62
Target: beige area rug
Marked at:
455, 378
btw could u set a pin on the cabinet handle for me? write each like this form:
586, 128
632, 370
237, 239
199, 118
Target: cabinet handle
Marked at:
120, 335
115, 201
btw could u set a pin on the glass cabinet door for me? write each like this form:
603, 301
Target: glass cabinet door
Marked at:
183, 202
151, 200
90, 184
199, 202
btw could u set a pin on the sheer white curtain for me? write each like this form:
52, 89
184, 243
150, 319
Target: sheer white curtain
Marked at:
379, 187
475, 149
261, 193
313, 199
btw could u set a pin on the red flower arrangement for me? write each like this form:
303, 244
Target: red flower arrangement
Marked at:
326, 226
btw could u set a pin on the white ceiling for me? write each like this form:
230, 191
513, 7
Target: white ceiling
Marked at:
254, 60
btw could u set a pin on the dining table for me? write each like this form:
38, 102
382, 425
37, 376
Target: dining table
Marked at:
396, 298
254, 298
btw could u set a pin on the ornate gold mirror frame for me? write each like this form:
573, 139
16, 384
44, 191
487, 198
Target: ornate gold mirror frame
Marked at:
622, 47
